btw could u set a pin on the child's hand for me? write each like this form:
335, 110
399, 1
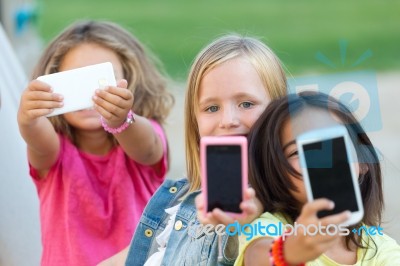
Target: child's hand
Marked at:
251, 209
114, 103
300, 247
37, 100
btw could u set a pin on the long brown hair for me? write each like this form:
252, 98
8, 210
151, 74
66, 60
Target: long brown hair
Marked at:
149, 86
269, 168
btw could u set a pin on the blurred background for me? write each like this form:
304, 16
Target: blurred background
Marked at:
311, 37
175, 30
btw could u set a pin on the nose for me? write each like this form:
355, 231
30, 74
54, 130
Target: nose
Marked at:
229, 119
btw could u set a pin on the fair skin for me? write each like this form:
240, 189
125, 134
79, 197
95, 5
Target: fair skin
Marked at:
231, 98
139, 141
299, 248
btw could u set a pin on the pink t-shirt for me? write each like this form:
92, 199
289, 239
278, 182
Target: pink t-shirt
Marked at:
90, 205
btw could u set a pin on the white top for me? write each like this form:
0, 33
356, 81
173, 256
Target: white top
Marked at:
162, 239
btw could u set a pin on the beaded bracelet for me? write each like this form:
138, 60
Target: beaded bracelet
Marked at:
129, 120
276, 253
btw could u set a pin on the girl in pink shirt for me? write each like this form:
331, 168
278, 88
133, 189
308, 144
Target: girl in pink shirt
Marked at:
95, 169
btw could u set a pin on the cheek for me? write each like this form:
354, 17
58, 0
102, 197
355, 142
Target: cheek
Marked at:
357, 168
69, 117
251, 117
72, 120
295, 163
300, 194
203, 124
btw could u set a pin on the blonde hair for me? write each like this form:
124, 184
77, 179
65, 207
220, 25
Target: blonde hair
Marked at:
265, 62
149, 86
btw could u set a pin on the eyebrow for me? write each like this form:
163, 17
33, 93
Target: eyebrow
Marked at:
288, 144
207, 100
236, 96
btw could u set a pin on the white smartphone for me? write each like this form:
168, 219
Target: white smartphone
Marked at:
327, 159
78, 85
224, 172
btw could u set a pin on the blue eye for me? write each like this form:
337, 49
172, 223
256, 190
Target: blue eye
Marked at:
212, 109
246, 105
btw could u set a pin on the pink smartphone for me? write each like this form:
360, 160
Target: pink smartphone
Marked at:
224, 172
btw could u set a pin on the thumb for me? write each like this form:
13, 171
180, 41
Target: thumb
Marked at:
123, 83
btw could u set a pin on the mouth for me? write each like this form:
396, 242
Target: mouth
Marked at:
87, 110
234, 135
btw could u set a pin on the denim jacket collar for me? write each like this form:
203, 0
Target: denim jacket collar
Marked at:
186, 245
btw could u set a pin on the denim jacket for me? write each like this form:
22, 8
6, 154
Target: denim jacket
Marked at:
186, 245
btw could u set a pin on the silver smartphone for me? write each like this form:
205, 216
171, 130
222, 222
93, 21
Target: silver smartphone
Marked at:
327, 158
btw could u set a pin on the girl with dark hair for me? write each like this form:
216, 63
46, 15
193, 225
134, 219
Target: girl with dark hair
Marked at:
275, 175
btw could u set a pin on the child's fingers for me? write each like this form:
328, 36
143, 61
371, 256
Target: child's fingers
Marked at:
111, 118
110, 97
311, 208
110, 109
39, 112
107, 96
206, 218
44, 96
32, 105
37, 85
336, 218
248, 207
249, 193
37, 103
221, 217
103, 112
203, 217
123, 83
199, 202
121, 92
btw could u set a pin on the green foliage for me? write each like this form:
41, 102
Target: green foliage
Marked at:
175, 30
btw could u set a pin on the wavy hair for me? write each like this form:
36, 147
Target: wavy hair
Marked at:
148, 85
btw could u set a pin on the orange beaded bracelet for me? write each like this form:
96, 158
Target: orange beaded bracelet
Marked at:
276, 253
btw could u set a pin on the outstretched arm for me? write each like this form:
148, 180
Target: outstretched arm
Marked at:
139, 141
37, 101
300, 247
257, 253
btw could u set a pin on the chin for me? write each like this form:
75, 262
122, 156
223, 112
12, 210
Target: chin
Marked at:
92, 125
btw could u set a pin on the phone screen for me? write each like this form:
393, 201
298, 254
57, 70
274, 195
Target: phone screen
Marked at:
224, 177
329, 173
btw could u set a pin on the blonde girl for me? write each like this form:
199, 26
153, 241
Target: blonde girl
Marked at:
231, 82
